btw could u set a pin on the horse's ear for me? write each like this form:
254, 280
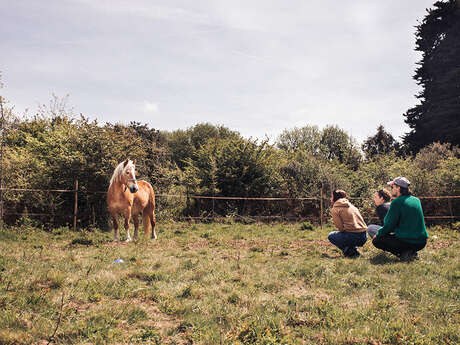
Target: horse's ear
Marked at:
125, 162
134, 162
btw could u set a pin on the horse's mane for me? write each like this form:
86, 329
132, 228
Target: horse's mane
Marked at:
119, 171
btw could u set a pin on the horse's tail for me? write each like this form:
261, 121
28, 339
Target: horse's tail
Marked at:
148, 215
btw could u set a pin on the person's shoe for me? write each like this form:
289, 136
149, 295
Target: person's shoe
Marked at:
352, 252
408, 256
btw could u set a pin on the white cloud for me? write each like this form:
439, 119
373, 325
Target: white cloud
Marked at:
149, 107
146, 9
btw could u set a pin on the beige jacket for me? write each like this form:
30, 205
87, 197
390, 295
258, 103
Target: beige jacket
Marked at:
346, 217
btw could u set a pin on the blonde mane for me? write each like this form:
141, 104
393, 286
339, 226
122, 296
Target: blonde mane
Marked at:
119, 171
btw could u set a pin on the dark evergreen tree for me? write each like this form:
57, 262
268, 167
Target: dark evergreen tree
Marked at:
437, 117
380, 143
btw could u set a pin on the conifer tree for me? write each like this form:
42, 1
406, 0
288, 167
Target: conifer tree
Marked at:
437, 116
380, 143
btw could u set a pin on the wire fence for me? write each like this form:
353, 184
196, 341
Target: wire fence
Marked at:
81, 208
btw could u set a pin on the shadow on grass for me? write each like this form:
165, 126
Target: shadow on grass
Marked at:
83, 241
383, 259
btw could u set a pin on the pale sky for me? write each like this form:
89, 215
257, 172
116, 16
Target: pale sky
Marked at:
255, 66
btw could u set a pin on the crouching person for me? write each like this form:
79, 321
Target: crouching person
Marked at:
382, 202
349, 223
403, 233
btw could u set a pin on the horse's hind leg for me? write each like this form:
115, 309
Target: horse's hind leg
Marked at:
153, 222
148, 218
146, 222
136, 225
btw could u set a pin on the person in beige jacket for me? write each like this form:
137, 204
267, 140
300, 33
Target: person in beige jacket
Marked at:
349, 223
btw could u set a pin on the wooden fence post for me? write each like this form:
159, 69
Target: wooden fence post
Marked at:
2, 128
321, 206
75, 206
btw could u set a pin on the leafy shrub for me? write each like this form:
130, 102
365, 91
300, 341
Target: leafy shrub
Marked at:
306, 226
84, 241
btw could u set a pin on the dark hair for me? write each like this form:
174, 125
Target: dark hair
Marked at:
384, 194
404, 190
338, 194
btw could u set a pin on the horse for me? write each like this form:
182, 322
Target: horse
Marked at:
129, 197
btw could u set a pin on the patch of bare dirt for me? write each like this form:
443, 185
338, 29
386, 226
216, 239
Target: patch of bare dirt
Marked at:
440, 244
198, 244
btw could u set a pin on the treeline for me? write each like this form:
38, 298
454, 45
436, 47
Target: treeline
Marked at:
52, 149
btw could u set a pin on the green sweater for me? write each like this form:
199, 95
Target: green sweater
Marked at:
405, 219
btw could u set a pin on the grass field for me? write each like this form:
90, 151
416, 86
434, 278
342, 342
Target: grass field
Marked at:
223, 284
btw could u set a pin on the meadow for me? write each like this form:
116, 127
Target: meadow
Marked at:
223, 283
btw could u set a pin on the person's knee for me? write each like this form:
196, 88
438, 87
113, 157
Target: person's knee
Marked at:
362, 241
332, 237
377, 242
420, 246
372, 230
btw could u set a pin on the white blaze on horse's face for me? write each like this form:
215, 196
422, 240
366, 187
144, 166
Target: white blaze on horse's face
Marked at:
129, 176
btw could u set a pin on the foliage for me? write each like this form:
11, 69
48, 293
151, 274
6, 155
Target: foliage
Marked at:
436, 117
234, 167
336, 144
302, 175
306, 226
184, 144
380, 144
306, 138
238, 167
330, 144
54, 148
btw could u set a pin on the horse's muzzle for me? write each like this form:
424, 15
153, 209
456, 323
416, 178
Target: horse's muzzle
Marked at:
134, 188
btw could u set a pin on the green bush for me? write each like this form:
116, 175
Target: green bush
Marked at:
54, 149
306, 226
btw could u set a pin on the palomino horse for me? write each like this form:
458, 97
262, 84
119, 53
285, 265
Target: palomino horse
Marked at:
129, 197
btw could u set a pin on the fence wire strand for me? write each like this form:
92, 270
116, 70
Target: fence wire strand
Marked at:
213, 215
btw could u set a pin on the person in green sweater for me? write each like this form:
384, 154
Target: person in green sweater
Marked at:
403, 232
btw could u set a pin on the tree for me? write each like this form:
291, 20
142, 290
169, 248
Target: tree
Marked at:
337, 145
437, 117
331, 143
235, 167
380, 143
183, 144
307, 138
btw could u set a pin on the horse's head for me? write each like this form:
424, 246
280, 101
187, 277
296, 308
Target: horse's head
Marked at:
128, 177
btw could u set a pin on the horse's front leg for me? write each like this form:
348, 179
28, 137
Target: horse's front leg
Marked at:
136, 225
116, 233
127, 215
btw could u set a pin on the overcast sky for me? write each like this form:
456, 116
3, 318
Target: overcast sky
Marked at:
255, 66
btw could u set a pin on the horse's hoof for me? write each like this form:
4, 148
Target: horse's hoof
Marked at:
128, 240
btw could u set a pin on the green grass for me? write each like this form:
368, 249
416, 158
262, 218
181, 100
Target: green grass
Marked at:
224, 284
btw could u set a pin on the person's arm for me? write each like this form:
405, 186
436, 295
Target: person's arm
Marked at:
391, 220
337, 220
381, 212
